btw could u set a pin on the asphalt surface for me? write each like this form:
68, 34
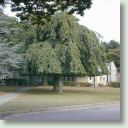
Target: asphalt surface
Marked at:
109, 112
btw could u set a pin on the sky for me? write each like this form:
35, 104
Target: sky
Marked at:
103, 17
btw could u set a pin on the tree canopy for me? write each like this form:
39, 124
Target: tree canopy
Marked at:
9, 52
73, 49
44, 9
61, 47
112, 44
113, 52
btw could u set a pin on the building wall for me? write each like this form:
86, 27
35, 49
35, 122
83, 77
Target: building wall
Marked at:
98, 80
101, 80
112, 76
118, 76
91, 80
82, 79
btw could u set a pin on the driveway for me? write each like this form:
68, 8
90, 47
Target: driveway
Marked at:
110, 112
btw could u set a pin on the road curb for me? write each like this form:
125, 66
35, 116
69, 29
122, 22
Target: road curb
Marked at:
59, 108
79, 106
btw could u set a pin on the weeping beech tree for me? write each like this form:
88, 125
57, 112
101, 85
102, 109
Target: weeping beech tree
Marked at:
92, 52
46, 58
83, 41
68, 49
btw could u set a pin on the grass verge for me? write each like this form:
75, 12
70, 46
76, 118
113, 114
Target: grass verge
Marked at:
41, 98
5, 89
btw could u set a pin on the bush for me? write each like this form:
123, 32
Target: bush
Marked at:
101, 85
85, 84
71, 83
114, 84
15, 81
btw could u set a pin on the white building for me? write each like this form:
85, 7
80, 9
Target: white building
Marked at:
96, 81
103, 79
112, 77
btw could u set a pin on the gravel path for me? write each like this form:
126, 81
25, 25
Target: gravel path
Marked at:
7, 97
10, 96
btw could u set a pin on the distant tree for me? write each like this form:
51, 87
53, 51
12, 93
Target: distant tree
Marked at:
113, 52
44, 9
10, 57
114, 55
113, 44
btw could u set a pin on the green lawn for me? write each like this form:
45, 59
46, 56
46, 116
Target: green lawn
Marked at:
5, 89
42, 97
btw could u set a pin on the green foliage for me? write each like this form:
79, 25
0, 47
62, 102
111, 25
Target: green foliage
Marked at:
44, 9
113, 44
60, 47
25, 35
68, 49
114, 84
44, 57
9, 57
114, 55
70, 60
113, 52
7, 28
85, 84
13, 82
92, 52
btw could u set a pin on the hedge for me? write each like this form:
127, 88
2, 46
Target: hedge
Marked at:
114, 84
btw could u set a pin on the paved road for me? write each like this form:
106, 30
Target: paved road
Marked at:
98, 113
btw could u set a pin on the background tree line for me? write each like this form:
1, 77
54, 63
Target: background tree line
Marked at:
112, 49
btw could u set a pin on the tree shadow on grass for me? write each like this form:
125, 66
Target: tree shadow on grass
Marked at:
48, 90
8, 89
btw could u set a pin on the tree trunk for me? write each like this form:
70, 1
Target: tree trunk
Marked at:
55, 86
107, 79
74, 79
60, 84
42, 80
30, 79
94, 81
45, 82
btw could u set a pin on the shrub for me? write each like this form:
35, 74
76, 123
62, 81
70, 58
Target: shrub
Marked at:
114, 84
101, 85
85, 84
70, 83
80, 84
15, 81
